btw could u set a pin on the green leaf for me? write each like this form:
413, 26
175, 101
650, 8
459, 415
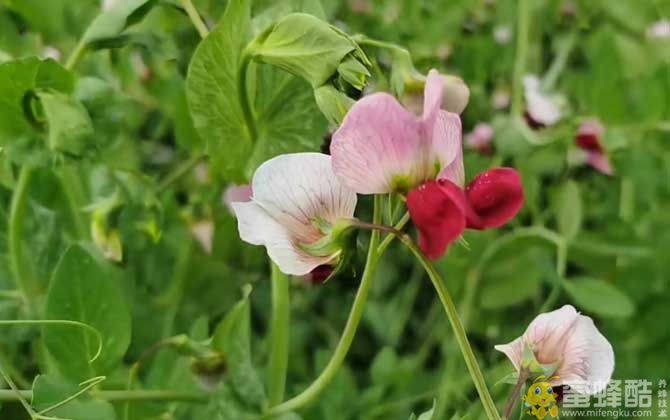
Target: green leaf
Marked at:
106, 29
285, 111
428, 415
309, 48
599, 297
49, 390
232, 337
212, 90
16, 79
70, 127
87, 290
567, 207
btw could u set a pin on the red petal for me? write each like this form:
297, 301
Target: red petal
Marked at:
494, 198
589, 134
437, 208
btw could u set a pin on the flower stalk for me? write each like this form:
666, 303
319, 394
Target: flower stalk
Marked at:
279, 336
457, 326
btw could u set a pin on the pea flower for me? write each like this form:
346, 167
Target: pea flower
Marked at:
569, 345
542, 108
299, 211
588, 138
480, 138
381, 147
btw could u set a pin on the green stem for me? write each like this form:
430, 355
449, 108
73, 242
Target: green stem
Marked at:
523, 20
243, 95
17, 213
72, 188
181, 170
514, 395
559, 62
349, 330
195, 18
459, 330
279, 336
76, 54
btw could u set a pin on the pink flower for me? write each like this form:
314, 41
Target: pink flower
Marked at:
236, 194
381, 147
480, 138
203, 231
588, 138
659, 30
581, 355
297, 201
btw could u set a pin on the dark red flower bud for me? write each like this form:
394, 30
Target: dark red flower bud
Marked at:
438, 209
494, 198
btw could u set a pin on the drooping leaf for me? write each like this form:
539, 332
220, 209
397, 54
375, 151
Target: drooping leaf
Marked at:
86, 290
599, 297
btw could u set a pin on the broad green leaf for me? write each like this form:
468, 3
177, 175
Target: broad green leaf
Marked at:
599, 297
70, 130
285, 112
107, 28
567, 206
212, 90
233, 338
86, 289
49, 390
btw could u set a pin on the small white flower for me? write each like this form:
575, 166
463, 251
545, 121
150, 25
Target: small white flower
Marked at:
659, 29
502, 34
542, 107
583, 356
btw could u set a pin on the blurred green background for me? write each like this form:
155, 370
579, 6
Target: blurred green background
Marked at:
603, 57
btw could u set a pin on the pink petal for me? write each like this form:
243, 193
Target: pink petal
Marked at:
378, 148
448, 147
589, 135
495, 197
236, 193
438, 211
433, 94
600, 162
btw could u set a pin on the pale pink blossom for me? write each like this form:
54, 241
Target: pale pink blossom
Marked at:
583, 357
480, 138
589, 139
296, 198
502, 34
543, 108
659, 30
382, 147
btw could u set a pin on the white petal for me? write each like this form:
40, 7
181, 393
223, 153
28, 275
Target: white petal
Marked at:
257, 227
542, 107
588, 359
513, 350
296, 189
